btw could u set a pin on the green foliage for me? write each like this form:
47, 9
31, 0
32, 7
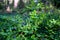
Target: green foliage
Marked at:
34, 25
1, 6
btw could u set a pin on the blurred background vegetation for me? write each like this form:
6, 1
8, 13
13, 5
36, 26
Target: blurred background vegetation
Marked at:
38, 20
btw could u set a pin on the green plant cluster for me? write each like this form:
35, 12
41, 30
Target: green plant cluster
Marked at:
42, 26
32, 25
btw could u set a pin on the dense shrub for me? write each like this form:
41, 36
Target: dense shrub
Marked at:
33, 24
33, 27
